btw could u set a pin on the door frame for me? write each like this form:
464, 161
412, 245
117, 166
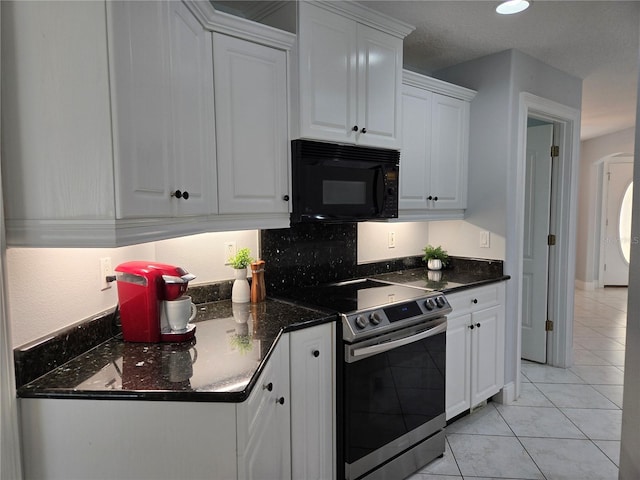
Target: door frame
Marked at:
562, 273
603, 188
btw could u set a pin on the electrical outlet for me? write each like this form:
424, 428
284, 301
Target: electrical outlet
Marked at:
105, 271
485, 239
229, 251
392, 240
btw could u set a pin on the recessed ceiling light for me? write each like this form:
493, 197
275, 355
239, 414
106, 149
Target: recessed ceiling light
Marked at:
512, 6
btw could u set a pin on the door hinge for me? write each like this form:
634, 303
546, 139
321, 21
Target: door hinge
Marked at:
551, 239
555, 151
548, 326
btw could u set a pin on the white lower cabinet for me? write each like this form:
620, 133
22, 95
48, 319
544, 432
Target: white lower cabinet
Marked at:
264, 445
284, 430
121, 439
286, 426
313, 406
475, 347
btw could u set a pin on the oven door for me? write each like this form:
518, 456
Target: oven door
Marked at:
394, 394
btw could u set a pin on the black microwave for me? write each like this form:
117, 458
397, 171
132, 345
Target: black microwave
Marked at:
343, 183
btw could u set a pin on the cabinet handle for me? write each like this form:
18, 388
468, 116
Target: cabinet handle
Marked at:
430, 197
316, 353
285, 198
355, 128
364, 130
478, 325
268, 386
435, 199
472, 327
179, 194
475, 300
280, 401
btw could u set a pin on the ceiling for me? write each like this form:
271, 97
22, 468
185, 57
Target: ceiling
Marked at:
597, 41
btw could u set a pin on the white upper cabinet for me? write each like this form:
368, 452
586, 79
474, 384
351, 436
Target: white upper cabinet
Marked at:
349, 74
252, 129
435, 148
115, 142
162, 96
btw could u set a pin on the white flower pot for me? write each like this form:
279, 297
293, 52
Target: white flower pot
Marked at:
434, 264
240, 292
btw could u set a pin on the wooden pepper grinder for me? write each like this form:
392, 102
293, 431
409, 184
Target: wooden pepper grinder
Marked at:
258, 290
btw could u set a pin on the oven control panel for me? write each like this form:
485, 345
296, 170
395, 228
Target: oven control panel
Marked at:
396, 315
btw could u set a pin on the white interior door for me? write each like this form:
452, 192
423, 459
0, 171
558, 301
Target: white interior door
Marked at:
618, 180
535, 274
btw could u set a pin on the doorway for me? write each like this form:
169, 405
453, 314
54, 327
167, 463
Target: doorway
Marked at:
537, 235
566, 121
615, 237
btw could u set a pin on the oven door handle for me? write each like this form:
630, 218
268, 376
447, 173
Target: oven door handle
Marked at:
390, 345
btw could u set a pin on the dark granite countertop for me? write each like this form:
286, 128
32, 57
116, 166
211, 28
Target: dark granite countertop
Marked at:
447, 281
222, 363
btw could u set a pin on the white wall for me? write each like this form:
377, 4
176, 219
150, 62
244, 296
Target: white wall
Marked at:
499, 80
592, 153
373, 240
50, 289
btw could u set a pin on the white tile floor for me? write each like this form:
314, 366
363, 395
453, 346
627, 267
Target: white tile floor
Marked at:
566, 423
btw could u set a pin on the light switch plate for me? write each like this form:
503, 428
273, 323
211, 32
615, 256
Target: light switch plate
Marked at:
485, 239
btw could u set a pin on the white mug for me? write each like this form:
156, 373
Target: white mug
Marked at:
178, 313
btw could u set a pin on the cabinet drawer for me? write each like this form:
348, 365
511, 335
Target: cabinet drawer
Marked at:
475, 299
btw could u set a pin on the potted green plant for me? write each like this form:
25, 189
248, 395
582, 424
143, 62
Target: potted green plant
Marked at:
240, 292
435, 257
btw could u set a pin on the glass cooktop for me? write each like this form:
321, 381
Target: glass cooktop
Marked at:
358, 295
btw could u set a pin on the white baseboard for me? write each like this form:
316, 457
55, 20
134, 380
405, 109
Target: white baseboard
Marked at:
507, 395
581, 285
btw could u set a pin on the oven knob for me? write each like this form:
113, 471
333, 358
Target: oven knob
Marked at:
428, 304
440, 302
361, 321
375, 318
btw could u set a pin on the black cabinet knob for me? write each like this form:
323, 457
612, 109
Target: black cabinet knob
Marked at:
478, 325
355, 128
285, 198
472, 327
316, 353
435, 199
180, 194
475, 300
268, 386
364, 130
430, 197
280, 400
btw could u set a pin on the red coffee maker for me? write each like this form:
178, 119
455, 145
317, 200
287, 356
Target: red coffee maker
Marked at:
142, 287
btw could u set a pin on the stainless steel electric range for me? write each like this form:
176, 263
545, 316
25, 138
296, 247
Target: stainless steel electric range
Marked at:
391, 375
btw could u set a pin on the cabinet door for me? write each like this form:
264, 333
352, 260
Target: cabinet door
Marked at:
487, 362
141, 107
449, 153
191, 77
251, 126
416, 148
327, 74
379, 87
312, 419
458, 374
264, 437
